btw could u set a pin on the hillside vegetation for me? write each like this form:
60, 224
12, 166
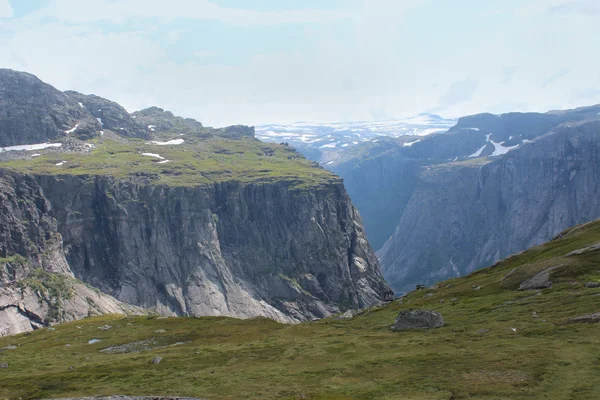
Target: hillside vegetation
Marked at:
499, 342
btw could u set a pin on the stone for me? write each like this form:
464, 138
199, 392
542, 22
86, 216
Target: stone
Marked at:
3, 365
348, 314
156, 360
418, 319
592, 284
160, 331
104, 327
541, 280
586, 319
482, 331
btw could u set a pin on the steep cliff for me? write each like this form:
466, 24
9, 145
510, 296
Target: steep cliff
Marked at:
37, 287
467, 215
227, 248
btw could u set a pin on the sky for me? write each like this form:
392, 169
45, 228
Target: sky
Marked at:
255, 62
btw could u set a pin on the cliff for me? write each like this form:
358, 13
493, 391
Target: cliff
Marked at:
467, 215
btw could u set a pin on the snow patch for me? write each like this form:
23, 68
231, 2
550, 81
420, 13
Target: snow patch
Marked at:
410, 143
60, 163
163, 162
153, 155
36, 155
100, 120
29, 147
330, 145
174, 141
500, 149
151, 127
80, 105
73, 129
478, 152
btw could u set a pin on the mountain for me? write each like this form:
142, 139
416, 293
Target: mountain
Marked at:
329, 142
161, 214
525, 328
493, 185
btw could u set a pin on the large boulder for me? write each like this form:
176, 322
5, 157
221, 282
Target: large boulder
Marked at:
418, 319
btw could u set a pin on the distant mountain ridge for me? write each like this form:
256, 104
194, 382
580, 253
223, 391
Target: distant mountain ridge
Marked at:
447, 204
323, 141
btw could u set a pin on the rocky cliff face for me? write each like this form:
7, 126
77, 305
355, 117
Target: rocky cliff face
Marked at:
469, 215
37, 287
32, 111
409, 193
222, 249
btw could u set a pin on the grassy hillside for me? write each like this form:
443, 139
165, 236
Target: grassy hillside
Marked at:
196, 161
498, 343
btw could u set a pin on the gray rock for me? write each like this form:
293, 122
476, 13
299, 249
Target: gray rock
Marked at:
587, 249
476, 213
541, 280
348, 314
156, 360
3, 365
586, 319
418, 319
160, 331
592, 284
104, 327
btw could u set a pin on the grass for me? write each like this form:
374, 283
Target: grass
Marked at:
477, 355
198, 161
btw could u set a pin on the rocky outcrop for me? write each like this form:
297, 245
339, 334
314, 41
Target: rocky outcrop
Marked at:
37, 287
222, 249
32, 111
465, 216
111, 115
418, 319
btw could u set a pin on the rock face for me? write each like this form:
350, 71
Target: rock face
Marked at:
489, 187
32, 111
224, 249
111, 115
37, 287
418, 319
464, 217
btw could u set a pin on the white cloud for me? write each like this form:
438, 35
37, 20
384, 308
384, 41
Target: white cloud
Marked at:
77, 12
5, 9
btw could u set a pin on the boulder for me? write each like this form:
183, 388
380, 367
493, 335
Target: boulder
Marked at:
418, 319
541, 280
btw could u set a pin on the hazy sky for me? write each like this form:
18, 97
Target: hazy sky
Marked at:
263, 61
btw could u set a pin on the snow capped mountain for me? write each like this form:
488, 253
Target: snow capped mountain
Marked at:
339, 135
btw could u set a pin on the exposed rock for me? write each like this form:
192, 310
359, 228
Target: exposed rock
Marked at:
38, 287
111, 115
131, 398
586, 319
160, 331
3, 365
35, 112
592, 284
156, 360
483, 331
226, 249
541, 280
418, 319
104, 327
446, 219
594, 247
348, 314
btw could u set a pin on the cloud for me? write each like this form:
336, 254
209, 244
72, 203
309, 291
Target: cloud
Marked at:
555, 77
80, 12
583, 7
458, 92
5, 9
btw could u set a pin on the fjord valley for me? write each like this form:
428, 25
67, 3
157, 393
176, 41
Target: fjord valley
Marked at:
442, 203
105, 211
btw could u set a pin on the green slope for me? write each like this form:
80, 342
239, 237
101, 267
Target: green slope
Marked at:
498, 343
199, 160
